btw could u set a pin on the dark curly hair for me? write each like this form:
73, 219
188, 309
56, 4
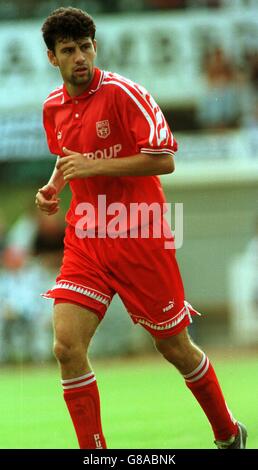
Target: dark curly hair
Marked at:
67, 23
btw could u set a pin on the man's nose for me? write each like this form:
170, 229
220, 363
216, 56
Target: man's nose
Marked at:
79, 57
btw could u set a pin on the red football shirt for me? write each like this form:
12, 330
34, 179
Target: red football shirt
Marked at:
113, 118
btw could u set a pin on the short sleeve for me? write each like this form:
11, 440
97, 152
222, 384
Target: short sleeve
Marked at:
50, 133
146, 122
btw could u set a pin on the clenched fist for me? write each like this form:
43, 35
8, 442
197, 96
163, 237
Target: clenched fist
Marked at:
46, 199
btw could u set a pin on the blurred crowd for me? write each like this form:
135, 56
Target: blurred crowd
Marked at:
231, 89
30, 253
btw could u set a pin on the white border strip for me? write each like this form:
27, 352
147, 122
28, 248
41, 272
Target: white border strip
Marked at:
158, 151
53, 96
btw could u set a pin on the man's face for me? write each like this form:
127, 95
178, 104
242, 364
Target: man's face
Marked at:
75, 60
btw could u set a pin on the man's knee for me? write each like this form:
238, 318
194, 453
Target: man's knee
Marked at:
68, 352
170, 351
74, 328
174, 348
180, 351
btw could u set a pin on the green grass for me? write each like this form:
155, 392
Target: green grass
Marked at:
144, 405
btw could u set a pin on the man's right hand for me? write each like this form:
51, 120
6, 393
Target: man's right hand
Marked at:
46, 199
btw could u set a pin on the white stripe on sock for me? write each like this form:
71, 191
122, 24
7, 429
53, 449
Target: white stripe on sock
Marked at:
199, 376
81, 384
199, 367
68, 381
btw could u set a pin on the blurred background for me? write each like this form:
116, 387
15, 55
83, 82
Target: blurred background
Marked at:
199, 59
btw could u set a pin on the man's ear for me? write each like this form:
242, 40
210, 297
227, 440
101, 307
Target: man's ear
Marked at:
52, 58
95, 45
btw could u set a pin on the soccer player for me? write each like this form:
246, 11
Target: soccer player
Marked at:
111, 141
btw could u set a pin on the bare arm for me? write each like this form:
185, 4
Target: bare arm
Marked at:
76, 165
46, 197
138, 165
57, 179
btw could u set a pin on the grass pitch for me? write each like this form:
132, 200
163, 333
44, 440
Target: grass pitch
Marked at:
145, 405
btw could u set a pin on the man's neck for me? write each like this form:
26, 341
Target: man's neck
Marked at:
76, 90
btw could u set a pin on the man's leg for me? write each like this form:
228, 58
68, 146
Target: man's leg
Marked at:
74, 326
201, 379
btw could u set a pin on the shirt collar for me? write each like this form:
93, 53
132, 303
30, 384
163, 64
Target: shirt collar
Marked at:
93, 87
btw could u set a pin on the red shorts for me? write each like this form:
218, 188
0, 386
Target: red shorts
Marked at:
141, 271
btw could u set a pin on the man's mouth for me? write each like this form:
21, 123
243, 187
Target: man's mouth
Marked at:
80, 70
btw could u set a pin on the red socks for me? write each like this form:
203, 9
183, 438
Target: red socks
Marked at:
204, 385
82, 399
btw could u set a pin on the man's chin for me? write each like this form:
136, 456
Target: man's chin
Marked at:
80, 81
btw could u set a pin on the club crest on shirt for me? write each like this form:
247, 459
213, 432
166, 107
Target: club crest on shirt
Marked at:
103, 129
